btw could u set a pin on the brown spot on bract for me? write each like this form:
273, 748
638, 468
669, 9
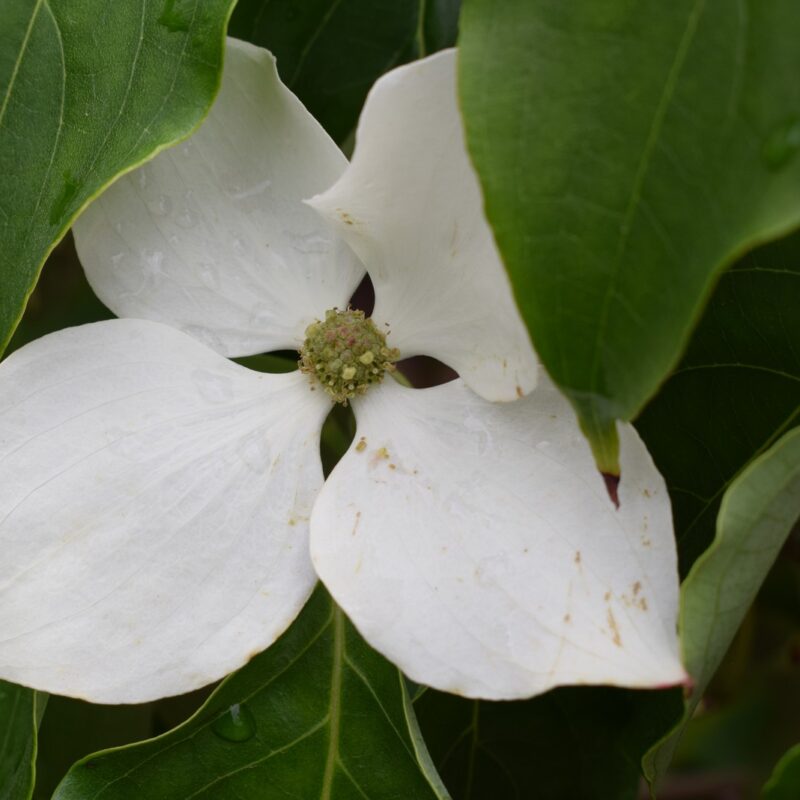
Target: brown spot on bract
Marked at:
519, 391
646, 492
643, 604
292, 522
362, 445
607, 596
637, 587
381, 454
346, 218
646, 542
357, 523
577, 558
567, 618
392, 466
612, 625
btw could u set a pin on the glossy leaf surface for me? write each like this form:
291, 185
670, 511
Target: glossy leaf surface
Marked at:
785, 781
89, 89
330, 52
757, 513
20, 714
736, 390
570, 743
319, 714
661, 140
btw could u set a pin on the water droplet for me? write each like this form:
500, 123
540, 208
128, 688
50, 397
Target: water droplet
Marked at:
209, 275
209, 338
481, 437
164, 205
782, 144
174, 17
237, 245
236, 191
160, 206
311, 243
151, 270
213, 387
237, 724
154, 261
187, 218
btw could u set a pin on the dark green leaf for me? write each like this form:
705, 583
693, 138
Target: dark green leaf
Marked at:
20, 714
570, 743
317, 715
735, 392
785, 781
331, 52
73, 729
440, 24
628, 151
88, 89
757, 513
62, 298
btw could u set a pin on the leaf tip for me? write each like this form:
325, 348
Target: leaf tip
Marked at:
612, 487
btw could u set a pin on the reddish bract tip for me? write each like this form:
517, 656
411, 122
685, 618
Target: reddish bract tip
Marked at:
612, 487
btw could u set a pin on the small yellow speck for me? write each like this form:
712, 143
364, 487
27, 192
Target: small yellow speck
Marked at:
362, 445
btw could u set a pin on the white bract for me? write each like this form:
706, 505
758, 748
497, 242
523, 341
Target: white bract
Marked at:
162, 509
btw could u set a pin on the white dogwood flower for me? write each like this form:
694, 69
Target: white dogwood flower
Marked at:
162, 509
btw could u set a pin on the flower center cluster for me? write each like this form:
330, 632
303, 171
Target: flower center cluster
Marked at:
346, 353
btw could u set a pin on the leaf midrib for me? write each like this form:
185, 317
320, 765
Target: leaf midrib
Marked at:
18, 62
335, 708
640, 176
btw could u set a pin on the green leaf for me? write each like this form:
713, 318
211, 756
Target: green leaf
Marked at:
318, 714
785, 781
74, 728
661, 140
88, 90
736, 391
569, 743
440, 25
330, 52
757, 513
21, 712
